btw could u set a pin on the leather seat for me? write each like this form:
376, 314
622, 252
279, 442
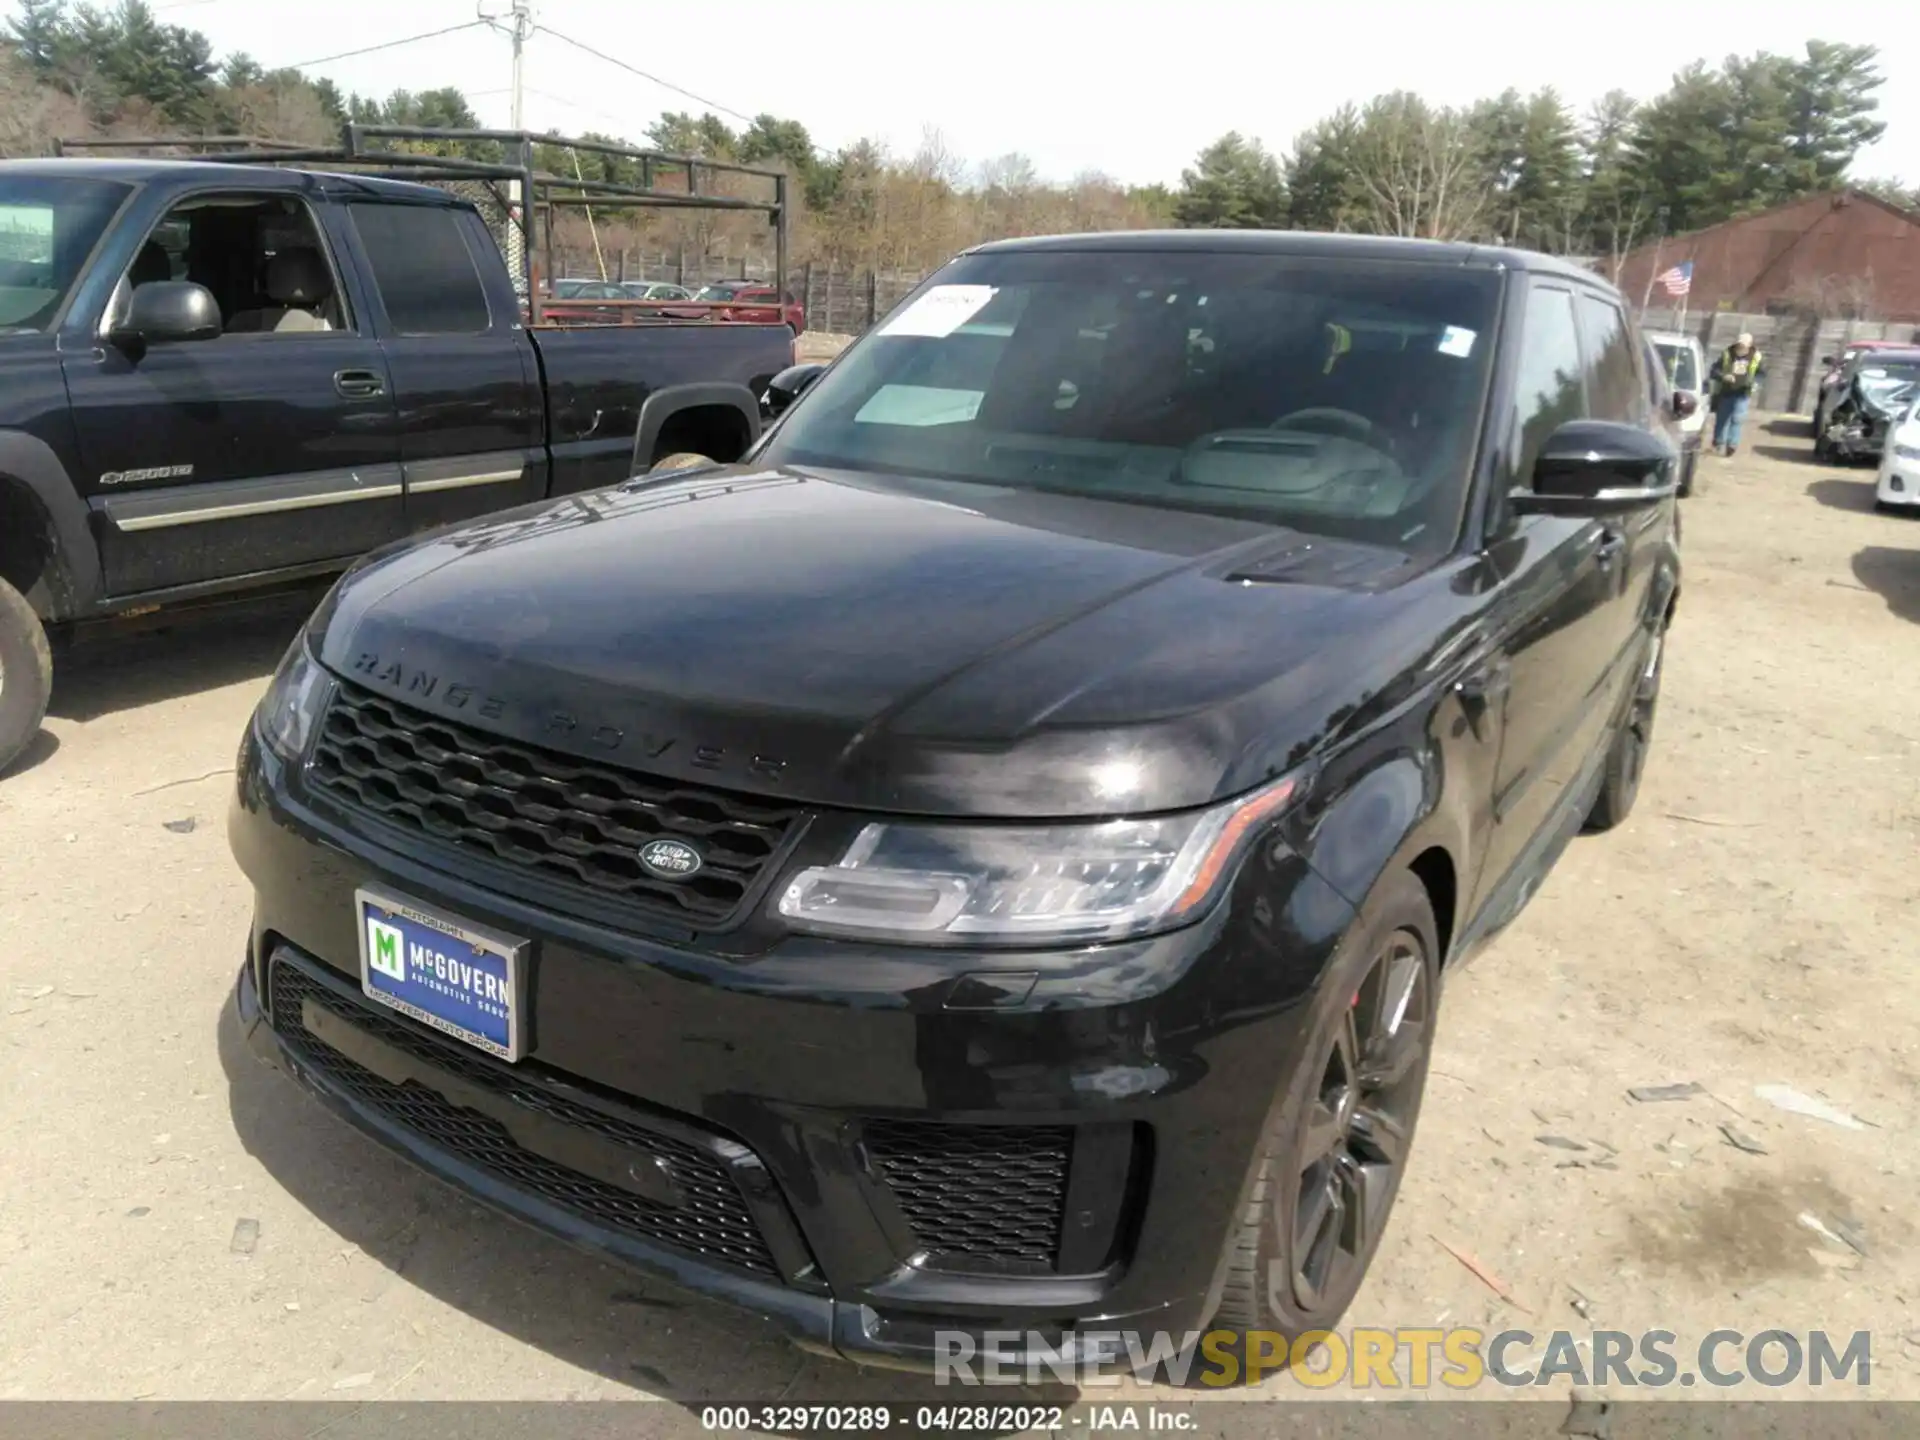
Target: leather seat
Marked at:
299, 285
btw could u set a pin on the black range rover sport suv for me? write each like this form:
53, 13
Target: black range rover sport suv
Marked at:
988, 859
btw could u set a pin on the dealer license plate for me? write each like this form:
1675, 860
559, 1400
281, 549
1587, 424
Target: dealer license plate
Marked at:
462, 980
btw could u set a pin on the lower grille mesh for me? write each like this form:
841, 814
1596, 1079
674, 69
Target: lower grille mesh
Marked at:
993, 1192
714, 1223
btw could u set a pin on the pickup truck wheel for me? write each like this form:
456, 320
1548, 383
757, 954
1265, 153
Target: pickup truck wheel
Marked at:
1627, 760
685, 460
26, 674
1334, 1155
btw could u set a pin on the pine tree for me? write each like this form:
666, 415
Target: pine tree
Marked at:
1323, 191
1829, 111
40, 33
1234, 184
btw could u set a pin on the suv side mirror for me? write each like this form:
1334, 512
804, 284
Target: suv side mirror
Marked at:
788, 386
1829, 359
165, 312
1599, 467
1685, 402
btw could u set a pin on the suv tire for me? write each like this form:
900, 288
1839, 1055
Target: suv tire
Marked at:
26, 674
1627, 759
1372, 1022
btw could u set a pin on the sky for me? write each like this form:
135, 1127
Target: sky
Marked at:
1130, 89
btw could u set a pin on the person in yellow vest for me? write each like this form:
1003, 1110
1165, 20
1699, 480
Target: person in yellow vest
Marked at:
1735, 377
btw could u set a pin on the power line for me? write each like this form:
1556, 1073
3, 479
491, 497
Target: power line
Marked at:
389, 45
580, 105
636, 70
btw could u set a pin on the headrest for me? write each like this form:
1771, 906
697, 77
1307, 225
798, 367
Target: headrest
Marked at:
151, 264
298, 277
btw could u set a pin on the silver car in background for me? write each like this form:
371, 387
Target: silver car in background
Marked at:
1686, 368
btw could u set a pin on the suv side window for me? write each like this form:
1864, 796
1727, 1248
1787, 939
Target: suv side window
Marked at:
1613, 376
426, 274
1547, 388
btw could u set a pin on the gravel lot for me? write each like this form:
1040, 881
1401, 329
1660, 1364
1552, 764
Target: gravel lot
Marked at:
1752, 925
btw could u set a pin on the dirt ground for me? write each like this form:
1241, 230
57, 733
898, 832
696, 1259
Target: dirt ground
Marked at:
1752, 925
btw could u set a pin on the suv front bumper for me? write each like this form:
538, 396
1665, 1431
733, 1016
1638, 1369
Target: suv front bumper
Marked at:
895, 1125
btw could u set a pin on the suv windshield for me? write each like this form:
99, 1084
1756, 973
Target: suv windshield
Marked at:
1682, 374
1889, 382
1336, 396
48, 227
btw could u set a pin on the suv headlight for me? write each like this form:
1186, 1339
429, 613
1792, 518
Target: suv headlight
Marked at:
294, 700
939, 884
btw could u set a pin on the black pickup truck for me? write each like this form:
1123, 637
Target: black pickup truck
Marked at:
216, 378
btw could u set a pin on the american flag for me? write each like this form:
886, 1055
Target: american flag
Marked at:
1678, 280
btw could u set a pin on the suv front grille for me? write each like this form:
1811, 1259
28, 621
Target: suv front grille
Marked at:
581, 823
714, 1222
988, 1192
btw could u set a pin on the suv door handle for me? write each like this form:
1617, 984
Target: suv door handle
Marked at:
359, 384
1613, 544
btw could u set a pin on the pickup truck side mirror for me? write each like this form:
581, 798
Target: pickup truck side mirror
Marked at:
787, 387
165, 312
1599, 467
1685, 402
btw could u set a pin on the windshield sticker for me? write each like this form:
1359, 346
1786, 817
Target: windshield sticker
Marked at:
941, 311
919, 405
1456, 341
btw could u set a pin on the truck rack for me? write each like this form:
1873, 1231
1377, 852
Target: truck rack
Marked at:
364, 149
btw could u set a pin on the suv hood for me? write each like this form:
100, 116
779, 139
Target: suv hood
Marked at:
889, 644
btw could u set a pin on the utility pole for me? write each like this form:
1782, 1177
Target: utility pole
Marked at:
517, 26
522, 28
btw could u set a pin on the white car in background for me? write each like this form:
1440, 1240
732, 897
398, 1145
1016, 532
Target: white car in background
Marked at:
1686, 367
1899, 485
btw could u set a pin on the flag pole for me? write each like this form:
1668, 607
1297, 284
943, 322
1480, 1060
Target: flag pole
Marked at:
1686, 297
1659, 241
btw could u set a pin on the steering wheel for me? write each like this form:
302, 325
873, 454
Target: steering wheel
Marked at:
1341, 424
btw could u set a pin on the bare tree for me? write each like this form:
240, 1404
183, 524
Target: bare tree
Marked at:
1419, 171
1622, 218
281, 112
33, 116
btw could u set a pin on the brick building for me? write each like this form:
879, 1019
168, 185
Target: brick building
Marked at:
1840, 254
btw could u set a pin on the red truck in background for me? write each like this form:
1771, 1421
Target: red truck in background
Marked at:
740, 302
752, 302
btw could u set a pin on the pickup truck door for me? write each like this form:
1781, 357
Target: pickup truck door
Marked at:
262, 450
465, 379
1553, 618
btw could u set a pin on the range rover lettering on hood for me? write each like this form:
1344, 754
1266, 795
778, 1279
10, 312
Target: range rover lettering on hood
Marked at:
895, 645
429, 690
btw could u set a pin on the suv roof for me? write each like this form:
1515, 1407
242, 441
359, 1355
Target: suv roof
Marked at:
1672, 337
1304, 242
249, 177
